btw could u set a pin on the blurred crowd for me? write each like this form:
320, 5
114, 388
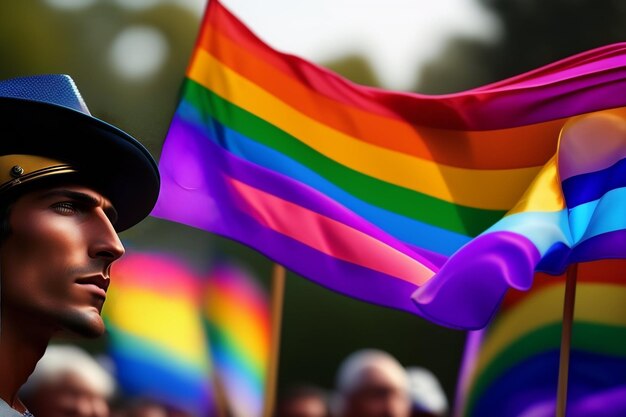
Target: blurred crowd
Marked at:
369, 383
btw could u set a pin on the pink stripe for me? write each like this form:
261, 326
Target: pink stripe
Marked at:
157, 274
573, 61
328, 236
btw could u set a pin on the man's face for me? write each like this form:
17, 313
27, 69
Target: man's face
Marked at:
304, 406
57, 256
69, 396
380, 395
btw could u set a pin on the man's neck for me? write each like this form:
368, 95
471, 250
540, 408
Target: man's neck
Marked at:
23, 341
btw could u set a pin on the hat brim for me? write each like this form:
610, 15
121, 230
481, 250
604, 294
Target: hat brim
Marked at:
107, 158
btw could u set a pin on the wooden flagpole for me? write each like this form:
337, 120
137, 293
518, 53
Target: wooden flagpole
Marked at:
221, 402
278, 292
566, 338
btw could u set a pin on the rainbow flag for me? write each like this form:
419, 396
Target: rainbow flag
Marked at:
372, 193
156, 334
514, 371
237, 319
573, 212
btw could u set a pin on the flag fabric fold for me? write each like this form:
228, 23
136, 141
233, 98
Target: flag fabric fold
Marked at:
434, 205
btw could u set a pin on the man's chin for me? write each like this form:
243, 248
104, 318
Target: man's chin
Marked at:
84, 323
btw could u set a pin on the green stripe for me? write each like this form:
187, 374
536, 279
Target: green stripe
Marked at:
587, 337
422, 207
223, 340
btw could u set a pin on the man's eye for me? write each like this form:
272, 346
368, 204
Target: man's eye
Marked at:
65, 207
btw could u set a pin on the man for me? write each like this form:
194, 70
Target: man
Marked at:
303, 401
372, 383
68, 184
67, 382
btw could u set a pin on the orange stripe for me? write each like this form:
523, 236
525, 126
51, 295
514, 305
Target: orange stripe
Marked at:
524, 146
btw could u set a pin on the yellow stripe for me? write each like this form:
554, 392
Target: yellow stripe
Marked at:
544, 194
486, 189
170, 323
595, 303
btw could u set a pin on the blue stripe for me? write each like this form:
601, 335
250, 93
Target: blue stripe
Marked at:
555, 232
143, 371
602, 216
138, 376
408, 230
543, 229
591, 186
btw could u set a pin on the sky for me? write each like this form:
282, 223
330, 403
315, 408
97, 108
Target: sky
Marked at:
396, 36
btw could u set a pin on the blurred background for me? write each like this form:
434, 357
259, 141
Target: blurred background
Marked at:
128, 58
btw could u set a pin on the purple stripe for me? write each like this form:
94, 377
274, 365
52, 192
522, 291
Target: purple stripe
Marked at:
197, 195
473, 344
529, 387
467, 291
610, 245
607, 403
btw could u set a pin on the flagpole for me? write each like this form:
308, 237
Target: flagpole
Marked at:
221, 406
566, 338
278, 292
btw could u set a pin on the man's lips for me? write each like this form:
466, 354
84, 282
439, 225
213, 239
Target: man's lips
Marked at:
97, 283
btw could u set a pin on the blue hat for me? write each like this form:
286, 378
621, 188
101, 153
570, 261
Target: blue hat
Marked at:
46, 131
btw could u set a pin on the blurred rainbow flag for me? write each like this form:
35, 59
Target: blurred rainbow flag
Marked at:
513, 371
236, 314
156, 333
435, 205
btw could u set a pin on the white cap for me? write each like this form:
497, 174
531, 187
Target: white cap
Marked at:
425, 391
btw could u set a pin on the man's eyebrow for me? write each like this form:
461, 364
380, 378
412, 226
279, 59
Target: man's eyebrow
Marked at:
73, 195
84, 199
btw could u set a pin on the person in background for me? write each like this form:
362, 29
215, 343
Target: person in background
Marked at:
371, 383
427, 396
67, 382
146, 407
303, 401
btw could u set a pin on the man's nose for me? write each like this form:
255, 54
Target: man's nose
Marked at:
106, 244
